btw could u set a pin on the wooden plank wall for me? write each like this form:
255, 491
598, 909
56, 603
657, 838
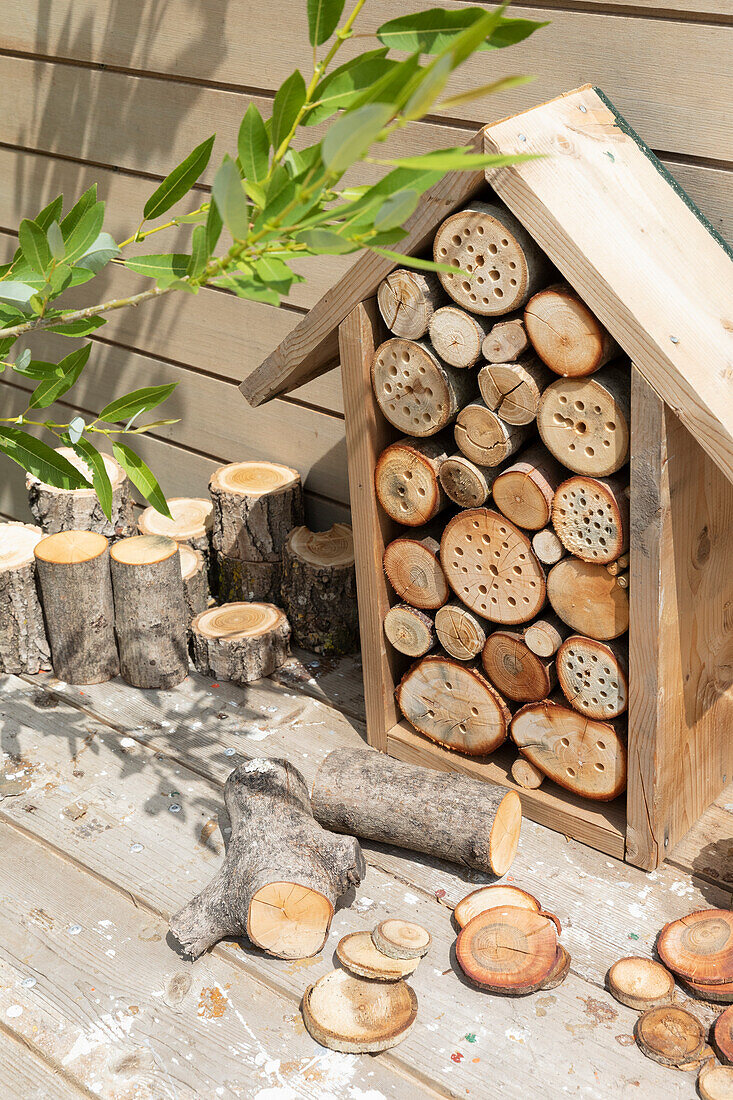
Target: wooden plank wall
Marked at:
118, 93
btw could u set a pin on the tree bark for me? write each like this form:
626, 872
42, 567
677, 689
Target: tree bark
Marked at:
507, 340
513, 390
584, 422
412, 566
407, 301
319, 590
418, 393
591, 517
79, 509
524, 491
256, 505
195, 581
457, 336
565, 334
545, 636
23, 642
74, 573
406, 480
241, 642
588, 599
409, 630
192, 525
150, 611
248, 580
514, 670
594, 676
461, 632
471, 822
467, 484
485, 438
282, 874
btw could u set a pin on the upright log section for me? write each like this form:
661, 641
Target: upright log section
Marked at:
457, 336
507, 340
418, 393
584, 422
513, 390
23, 643
195, 581
524, 491
406, 480
150, 611
594, 676
319, 589
407, 301
484, 437
192, 524
588, 599
241, 642
591, 517
514, 670
256, 505
467, 484
565, 334
461, 632
489, 243
73, 570
412, 567
409, 630
79, 509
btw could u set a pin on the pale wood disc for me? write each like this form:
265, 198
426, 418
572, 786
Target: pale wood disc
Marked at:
592, 677
238, 620
289, 920
466, 483
585, 425
484, 437
493, 897
254, 479
17, 543
670, 1035
588, 599
191, 560
71, 547
699, 946
524, 496
414, 571
506, 341
407, 300
143, 549
504, 839
545, 635
491, 567
114, 471
356, 1016
715, 1082
565, 334
591, 519
457, 336
460, 631
547, 547
640, 983
514, 670
359, 955
508, 949
410, 387
409, 630
560, 970
578, 753
401, 939
192, 518
407, 486
526, 775
323, 548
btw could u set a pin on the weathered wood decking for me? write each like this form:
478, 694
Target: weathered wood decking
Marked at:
109, 821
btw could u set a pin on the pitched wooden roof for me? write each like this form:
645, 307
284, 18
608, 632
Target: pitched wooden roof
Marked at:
622, 232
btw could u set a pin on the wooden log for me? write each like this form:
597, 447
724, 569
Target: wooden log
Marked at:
471, 822
493, 897
23, 642
319, 590
409, 630
493, 247
547, 547
461, 632
406, 480
238, 581
584, 422
412, 566
508, 950
467, 484
407, 301
358, 953
640, 983
525, 491
457, 336
526, 775
150, 611
79, 509
699, 946
256, 505
581, 754
358, 1016
241, 642
545, 636
588, 599
513, 390
192, 524
76, 591
670, 1035
195, 581
618, 566
484, 437
594, 676
565, 334
401, 939
514, 670
491, 567
591, 517
453, 704
282, 874
507, 340
418, 393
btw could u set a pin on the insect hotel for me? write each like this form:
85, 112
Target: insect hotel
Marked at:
540, 461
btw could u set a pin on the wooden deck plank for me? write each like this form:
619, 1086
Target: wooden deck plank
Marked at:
25, 1076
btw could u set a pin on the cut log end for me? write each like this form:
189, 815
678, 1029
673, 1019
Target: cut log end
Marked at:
413, 568
591, 517
715, 1082
253, 478
407, 300
460, 631
457, 336
409, 630
17, 543
723, 1036
289, 920
640, 983
319, 589
356, 1016
240, 641
401, 939
513, 390
256, 505
417, 393
560, 970
545, 636
144, 550
526, 775
23, 642
508, 950
323, 549
358, 953
467, 484
483, 437
565, 334
406, 480
670, 1035
584, 422
514, 670
547, 547
71, 547
504, 840
506, 341
699, 946
593, 676
493, 897
524, 491
192, 519
79, 509
588, 599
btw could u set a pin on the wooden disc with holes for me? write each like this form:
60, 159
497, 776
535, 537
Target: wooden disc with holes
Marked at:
588, 598
457, 336
699, 947
490, 566
593, 676
524, 492
514, 670
240, 641
560, 970
508, 949
585, 422
417, 392
591, 517
454, 705
412, 566
486, 242
406, 480
493, 897
467, 484
358, 954
256, 506
513, 390
580, 754
640, 983
401, 939
349, 1014
565, 334
670, 1035
461, 632
715, 1082
409, 630
407, 300
483, 437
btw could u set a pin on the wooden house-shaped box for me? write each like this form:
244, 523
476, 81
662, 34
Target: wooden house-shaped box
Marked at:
644, 260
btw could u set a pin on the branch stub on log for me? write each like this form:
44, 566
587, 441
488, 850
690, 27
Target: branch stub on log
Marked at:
357, 1016
241, 642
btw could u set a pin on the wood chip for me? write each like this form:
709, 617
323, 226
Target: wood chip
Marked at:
715, 1082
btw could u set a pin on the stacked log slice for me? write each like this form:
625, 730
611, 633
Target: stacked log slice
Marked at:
560, 970
319, 589
547, 547
699, 946
79, 509
526, 775
76, 590
723, 1036
514, 670
483, 437
407, 301
248, 580
192, 524
524, 491
406, 480
508, 950
591, 517
409, 630
358, 1016
545, 636
578, 753
23, 643
715, 1082
401, 939
640, 983
584, 422
588, 599
416, 391
412, 566
240, 641
461, 632
513, 390
195, 580
493, 897
670, 1035
457, 336
256, 505
507, 340
565, 334
717, 994
490, 566
488, 242
593, 676
467, 484
358, 953
454, 705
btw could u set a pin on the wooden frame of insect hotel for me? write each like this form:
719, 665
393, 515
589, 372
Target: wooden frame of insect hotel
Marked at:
540, 459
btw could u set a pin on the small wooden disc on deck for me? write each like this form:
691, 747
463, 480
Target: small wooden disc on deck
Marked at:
588, 599
591, 517
640, 983
560, 970
699, 947
670, 1035
409, 630
406, 480
355, 1016
457, 336
584, 422
407, 300
466, 483
461, 632
565, 334
514, 670
412, 567
508, 949
416, 392
524, 491
483, 437
715, 1082
401, 939
358, 954
493, 897
593, 676
240, 641
192, 519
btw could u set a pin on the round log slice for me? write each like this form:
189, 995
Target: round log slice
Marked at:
547, 547
524, 492
670, 1035
457, 336
560, 970
358, 954
454, 705
580, 754
407, 300
319, 589
591, 517
508, 949
256, 505
513, 390
593, 676
493, 897
526, 775
401, 939
23, 643
79, 509
406, 480
490, 566
699, 947
192, 522
240, 641
417, 392
715, 1082
483, 437
640, 983
355, 1016
514, 670
584, 422
716, 994
195, 581
507, 340
545, 636
466, 483
461, 632
565, 334
409, 630
412, 566
588, 599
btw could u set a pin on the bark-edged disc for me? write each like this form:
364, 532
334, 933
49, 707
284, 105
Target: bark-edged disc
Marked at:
415, 391
324, 549
409, 630
560, 971
254, 478
670, 1035
413, 569
406, 480
401, 939
17, 544
640, 983
71, 547
358, 953
565, 334
585, 422
355, 1016
192, 518
493, 897
588, 598
514, 670
723, 1036
593, 676
699, 946
461, 632
715, 994
715, 1082
508, 949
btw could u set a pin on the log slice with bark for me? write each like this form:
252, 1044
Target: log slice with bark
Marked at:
319, 589
418, 393
565, 334
483, 437
593, 676
357, 1016
508, 950
699, 946
466, 483
406, 480
670, 1035
256, 505
640, 983
192, 524
412, 566
409, 630
493, 897
588, 599
407, 301
715, 1082
723, 1036
591, 517
79, 509
514, 670
560, 970
526, 775
507, 340
524, 492
584, 422
241, 642
547, 547
461, 632
358, 953
545, 636
513, 390
23, 642
457, 336
401, 939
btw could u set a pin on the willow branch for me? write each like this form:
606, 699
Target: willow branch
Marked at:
85, 314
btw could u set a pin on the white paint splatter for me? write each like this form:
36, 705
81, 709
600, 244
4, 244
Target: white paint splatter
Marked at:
109, 1027
13, 1011
517, 1034
411, 899
636, 911
260, 765
128, 742
363, 903
682, 888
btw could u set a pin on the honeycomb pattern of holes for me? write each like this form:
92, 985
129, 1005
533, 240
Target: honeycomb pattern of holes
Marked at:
571, 772
564, 742
498, 292
456, 239
512, 602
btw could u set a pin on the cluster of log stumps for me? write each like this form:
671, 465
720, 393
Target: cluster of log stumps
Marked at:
510, 483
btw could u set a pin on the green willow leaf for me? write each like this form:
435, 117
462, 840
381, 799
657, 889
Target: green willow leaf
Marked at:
340, 89
167, 265
80, 327
457, 160
486, 89
67, 372
180, 181
141, 477
136, 402
323, 19
34, 368
351, 135
396, 210
101, 252
17, 294
430, 31
412, 261
77, 212
326, 241
214, 226
84, 234
100, 478
34, 246
253, 145
37, 458
56, 241
428, 88
50, 213
289, 98
199, 252
230, 199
